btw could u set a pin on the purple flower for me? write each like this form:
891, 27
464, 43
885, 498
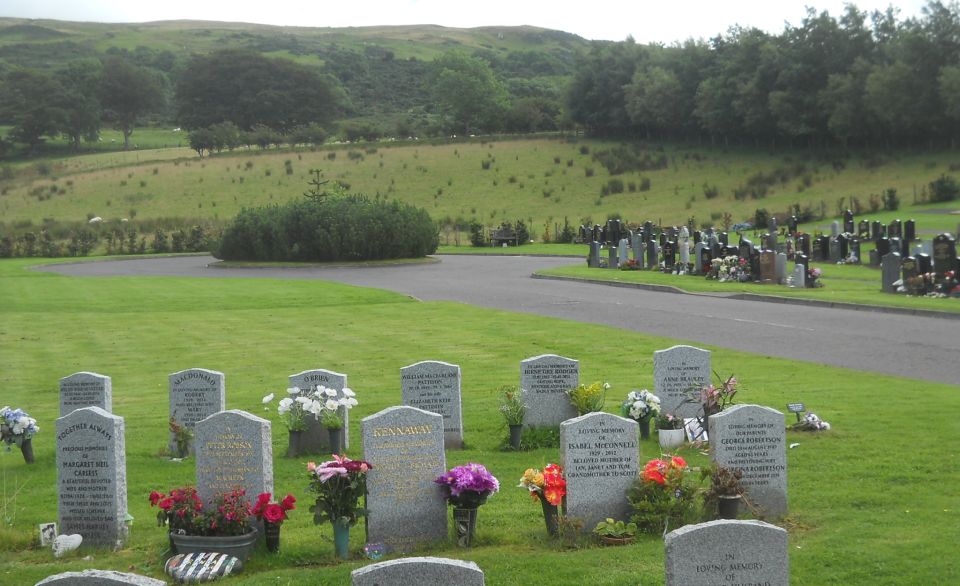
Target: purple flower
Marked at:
469, 478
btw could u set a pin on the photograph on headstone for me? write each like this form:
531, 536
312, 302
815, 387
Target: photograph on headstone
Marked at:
544, 382
434, 386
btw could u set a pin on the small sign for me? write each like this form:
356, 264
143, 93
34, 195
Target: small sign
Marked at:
48, 532
796, 407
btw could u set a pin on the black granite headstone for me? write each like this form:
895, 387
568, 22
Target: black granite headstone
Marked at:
910, 230
848, 225
944, 254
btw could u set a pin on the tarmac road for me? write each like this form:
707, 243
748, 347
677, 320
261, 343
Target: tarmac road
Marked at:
925, 348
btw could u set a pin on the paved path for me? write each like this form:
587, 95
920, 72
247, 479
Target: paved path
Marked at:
915, 347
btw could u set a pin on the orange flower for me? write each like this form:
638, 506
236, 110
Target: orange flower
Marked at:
678, 462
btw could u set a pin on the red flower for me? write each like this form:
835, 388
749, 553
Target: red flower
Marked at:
155, 497
678, 462
288, 502
273, 513
165, 504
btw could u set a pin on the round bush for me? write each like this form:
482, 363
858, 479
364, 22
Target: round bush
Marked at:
335, 229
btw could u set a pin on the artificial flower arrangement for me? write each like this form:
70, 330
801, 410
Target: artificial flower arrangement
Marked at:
338, 484
511, 405
588, 398
549, 485
640, 405
664, 496
322, 403
182, 510
468, 486
813, 278
810, 422
729, 268
631, 265
717, 398
273, 513
16, 426
669, 421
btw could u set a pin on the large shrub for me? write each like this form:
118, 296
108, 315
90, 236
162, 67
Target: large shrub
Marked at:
333, 229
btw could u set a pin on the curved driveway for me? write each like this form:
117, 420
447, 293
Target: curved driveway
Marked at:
916, 347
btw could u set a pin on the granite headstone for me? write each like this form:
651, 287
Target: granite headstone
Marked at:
544, 382
419, 571
233, 450
727, 552
85, 389
195, 394
435, 386
678, 371
99, 578
316, 438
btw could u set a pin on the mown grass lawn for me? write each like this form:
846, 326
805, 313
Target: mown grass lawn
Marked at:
874, 501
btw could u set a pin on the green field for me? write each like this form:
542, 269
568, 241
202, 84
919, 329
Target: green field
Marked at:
861, 495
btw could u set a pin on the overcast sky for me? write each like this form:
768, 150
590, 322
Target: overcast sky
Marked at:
663, 21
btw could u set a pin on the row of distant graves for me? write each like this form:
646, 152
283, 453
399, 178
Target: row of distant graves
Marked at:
406, 445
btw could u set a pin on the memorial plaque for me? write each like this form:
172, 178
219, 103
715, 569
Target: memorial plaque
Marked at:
234, 450
195, 394
92, 477
677, 372
316, 438
753, 439
85, 389
729, 552
544, 382
601, 460
435, 387
422, 571
406, 508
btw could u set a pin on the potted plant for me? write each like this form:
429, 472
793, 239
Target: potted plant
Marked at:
670, 431
466, 488
338, 484
664, 496
612, 532
512, 409
725, 491
272, 515
16, 427
330, 415
641, 406
549, 487
588, 398
293, 410
223, 528
182, 435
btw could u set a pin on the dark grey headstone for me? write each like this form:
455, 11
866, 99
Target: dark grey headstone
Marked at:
678, 371
233, 450
92, 477
753, 439
406, 508
544, 382
727, 552
435, 386
890, 271
99, 578
593, 258
85, 389
195, 394
316, 438
601, 460
420, 571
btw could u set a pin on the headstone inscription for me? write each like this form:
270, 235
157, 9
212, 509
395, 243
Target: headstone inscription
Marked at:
316, 438
99, 578
544, 382
195, 394
422, 571
601, 460
890, 269
92, 476
753, 439
669, 254
85, 389
678, 371
234, 450
727, 552
908, 274
743, 250
434, 386
404, 446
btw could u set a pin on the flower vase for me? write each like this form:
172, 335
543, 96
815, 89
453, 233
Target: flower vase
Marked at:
335, 442
271, 532
644, 428
465, 523
294, 437
728, 506
550, 517
239, 546
516, 432
341, 539
671, 438
26, 448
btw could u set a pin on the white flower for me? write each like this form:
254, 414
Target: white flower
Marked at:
322, 390
332, 405
606, 386
348, 402
315, 408
267, 399
293, 391
285, 404
348, 392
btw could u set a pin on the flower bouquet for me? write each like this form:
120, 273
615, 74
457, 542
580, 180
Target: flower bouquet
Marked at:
641, 406
512, 408
549, 487
466, 488
663, 498
16, 427
338, 484
225, 527
272, 515
330, 415
588, 398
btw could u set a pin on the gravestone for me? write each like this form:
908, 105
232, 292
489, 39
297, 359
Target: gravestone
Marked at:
883, 247
908, 272
92, 477
924, 263
85, 389
792, 224
843, 243
684, 246
910, 230
593, 259
544, 382
419, 571
890, 269
798, 278
636, 242
753, 439
768, 266
669, 254
99, 578
701, 259
653, 255
613, 261
730, 552
406, 508
944, 254
434, 386
233, 450
601, 460
623, 251
803, 244
801, 259
848, 223
724, 238
755, 263
743, 251
678, 371
855, 249
195, 394
895, 229
834, 229
877, 230
316, 438
863, 230
834, 248
780, 268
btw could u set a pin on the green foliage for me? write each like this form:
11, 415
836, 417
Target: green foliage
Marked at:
611, 528
944, 188
477, 234
332, 229
625, 158
510, 405
661, 507
761, 217
891, 201
469, 92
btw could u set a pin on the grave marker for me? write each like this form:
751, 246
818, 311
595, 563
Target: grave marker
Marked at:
890, 269
85, 389
195, 394
544, 382
676, 372
727, 552
99, 578
435, 387
423, 571
233, 450
316, 438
